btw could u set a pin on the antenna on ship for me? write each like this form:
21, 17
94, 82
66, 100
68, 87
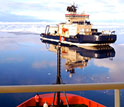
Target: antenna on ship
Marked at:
75, 4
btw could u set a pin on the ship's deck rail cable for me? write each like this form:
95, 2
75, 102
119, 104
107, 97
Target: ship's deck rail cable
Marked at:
66, 87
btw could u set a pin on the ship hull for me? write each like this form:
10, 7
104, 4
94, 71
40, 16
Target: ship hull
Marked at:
82, 40
71, 98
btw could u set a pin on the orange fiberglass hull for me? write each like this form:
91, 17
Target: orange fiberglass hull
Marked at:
72, 100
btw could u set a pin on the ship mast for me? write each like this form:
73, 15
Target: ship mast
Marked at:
58, 80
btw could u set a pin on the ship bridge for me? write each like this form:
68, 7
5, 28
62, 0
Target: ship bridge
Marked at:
72, 15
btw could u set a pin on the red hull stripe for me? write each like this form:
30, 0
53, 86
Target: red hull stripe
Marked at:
72, 99
76, 15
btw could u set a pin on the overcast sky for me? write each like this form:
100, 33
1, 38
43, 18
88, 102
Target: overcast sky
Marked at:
54, 10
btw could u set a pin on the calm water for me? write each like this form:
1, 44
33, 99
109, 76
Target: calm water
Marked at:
25, 60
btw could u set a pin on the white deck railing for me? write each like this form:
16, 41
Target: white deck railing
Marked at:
66, 87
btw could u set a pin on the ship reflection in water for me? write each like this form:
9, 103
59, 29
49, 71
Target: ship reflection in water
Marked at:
77, 57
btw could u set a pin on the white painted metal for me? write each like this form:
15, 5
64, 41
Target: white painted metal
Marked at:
117, 97
61, 87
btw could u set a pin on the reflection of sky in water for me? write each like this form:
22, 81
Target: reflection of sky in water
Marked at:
116, 68
25, 60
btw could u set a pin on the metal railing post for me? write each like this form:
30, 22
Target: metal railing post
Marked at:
117, 97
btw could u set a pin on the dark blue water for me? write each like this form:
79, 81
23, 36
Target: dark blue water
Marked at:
25, 60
